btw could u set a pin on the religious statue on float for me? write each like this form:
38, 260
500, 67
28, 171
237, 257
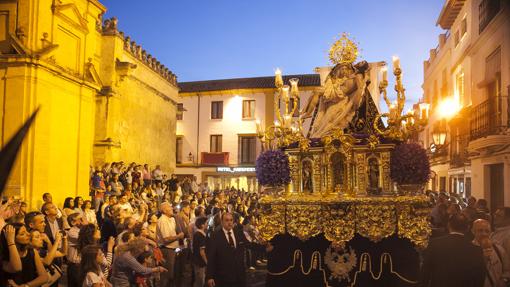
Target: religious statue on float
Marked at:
340, 97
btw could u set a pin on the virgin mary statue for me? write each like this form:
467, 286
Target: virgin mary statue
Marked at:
338, 100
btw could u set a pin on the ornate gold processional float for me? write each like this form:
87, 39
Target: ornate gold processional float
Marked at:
341, 180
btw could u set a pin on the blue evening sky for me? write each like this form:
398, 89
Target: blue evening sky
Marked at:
218, 39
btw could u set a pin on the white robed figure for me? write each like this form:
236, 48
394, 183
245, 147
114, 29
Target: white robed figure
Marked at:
338, 100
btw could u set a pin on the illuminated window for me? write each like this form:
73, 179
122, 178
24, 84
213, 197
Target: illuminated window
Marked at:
217, 110
216, 142
248, 109
459, 85
247, 149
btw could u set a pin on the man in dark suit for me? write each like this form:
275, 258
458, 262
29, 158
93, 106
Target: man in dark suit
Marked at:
54, 225
452, 260
225, 255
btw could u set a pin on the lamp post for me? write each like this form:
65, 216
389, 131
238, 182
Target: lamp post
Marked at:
447, 109
439, 134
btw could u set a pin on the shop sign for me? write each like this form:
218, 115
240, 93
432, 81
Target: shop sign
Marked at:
238, 169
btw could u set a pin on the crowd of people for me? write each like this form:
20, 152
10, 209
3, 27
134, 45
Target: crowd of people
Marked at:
470, 244
142, 228
139, 228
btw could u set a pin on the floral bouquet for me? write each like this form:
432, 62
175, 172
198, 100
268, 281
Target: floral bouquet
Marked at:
409, 166
273, 168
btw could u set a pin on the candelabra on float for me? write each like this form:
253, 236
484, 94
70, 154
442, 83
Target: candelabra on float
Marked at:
400, 126
286, 128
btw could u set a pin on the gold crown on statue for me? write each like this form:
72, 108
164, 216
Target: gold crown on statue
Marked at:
343, 51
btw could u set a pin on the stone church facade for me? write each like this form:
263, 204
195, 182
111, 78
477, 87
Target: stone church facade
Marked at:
102, 97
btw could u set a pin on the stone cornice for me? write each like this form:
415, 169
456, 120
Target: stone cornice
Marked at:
50, 66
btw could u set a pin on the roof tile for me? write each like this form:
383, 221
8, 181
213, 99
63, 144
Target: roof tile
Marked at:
246, 83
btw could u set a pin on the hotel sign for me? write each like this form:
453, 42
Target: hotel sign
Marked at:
239, 169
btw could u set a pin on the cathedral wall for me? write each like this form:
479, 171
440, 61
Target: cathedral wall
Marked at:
92, 109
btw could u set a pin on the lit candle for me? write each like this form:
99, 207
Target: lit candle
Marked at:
384, 74
393, 111
276, 123
285, 91
278, 78
294, 87
396, 62
257, 123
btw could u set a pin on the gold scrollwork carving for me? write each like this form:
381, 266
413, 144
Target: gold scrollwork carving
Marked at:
303, 221
385, 163
294, 173
272, 218
414, 225
340, 218
379, 221
373, 141
317, 173
338, 223
360, 163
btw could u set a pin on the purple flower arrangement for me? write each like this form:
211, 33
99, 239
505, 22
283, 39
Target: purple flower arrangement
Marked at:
273, 168
409, 164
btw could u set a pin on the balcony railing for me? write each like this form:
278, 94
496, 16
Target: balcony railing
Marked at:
459, 159
215, 158
489, 117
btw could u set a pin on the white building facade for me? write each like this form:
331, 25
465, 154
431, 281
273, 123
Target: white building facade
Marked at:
216, 130
467, 83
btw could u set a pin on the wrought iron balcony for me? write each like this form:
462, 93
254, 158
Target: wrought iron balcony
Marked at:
459, 159
489, 118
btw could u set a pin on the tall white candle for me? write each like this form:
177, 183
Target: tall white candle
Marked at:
396, 62
285, 91
384, 73
278, 78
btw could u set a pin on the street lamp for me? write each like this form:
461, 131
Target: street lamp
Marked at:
439, 134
